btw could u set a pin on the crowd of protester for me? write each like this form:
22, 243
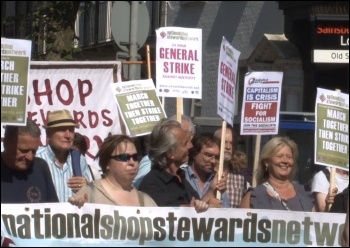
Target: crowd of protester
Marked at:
179, 168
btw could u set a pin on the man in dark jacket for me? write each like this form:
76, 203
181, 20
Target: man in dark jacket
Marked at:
24, 177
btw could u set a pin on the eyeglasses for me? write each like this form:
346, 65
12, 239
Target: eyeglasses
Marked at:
207, 157
125, 157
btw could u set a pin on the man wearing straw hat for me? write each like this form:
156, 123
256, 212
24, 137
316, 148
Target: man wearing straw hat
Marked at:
60, 134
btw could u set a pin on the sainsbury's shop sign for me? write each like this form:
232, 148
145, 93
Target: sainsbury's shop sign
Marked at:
330, 40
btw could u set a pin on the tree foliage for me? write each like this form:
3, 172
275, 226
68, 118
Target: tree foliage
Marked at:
54, 22
51, 27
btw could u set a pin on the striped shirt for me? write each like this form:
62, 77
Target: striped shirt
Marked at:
61, 175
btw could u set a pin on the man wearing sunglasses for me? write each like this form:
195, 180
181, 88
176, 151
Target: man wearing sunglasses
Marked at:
201, 174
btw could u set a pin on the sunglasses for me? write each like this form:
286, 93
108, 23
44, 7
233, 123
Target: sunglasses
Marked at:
125, 157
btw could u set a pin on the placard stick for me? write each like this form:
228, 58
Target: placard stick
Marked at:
331, 185
179, 108
163, 101
138, 62
117, 78
222, 150
148, 62
256, 158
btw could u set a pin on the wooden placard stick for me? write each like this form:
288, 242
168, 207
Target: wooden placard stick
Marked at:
179, 108
222, 150
256, 158
148, 62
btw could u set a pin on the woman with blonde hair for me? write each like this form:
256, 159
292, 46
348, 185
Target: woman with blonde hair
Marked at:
276, 189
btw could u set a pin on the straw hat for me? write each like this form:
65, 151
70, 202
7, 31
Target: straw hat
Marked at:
60, 118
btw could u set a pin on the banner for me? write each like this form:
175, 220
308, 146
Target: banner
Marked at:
61, 224
227, 75
332, 128
139, 105
15, 58
82, 88
261, 103
179, 62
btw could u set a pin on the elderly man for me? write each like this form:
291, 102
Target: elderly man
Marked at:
166, 182
236, 183
60, 133
24, 178
145, 163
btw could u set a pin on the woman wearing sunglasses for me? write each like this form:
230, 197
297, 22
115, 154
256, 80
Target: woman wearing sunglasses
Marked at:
119, 161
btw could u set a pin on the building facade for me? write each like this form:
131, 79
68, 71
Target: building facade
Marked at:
270, 35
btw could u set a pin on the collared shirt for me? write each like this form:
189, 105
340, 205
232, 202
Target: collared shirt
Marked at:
60, 175
144, 168
193, 180
166, 189
235, 187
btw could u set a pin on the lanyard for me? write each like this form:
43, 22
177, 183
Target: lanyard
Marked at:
276, 195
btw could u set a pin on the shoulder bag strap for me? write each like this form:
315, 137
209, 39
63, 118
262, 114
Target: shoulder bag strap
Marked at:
92, 174
276, 195
141, 199
76, 163
92, 192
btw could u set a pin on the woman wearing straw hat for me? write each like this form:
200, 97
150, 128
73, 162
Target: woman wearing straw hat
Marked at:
60, 134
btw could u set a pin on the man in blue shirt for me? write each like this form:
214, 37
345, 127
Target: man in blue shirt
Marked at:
200, 173
60, 133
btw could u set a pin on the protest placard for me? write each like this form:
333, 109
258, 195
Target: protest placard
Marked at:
261, 103
139, 105
15, 59
179, 62
227, 86
332, 128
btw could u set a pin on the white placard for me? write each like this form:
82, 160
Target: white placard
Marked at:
179, 62
227, 81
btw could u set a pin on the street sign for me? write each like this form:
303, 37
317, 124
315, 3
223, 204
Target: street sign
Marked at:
120, 24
